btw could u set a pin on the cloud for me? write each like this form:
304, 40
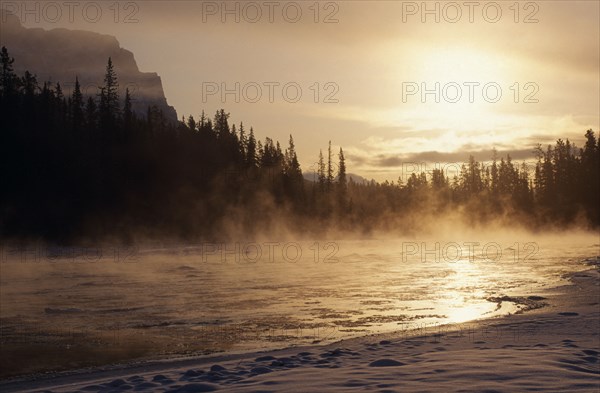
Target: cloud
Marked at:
394, 161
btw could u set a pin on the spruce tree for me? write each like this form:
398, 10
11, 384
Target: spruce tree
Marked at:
77, 107
321, 172
9, 81
251, 150
329, 168
109, 99
127, 111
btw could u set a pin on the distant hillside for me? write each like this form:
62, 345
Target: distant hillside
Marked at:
58, 55
312, 176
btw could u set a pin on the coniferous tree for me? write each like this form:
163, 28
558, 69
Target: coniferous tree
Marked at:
251, 150
9, 82
321, 172
91, 115
77, 107
589, 183
243, 146
221, 124
191, 123
292, 166
494, 174
180, 169
127, 112
29, 84
202, 121
329, 179
109, 109
342, 184
58, 93
260, 151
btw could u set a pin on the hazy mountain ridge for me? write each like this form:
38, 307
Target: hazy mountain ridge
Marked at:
59, 55
313, 176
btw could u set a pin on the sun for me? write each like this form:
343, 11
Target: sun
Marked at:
462, 64
458, 88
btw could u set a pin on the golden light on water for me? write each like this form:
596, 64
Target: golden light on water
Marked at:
462, 288
463, 311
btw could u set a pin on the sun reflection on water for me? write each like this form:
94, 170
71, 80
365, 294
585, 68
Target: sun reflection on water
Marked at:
460, 297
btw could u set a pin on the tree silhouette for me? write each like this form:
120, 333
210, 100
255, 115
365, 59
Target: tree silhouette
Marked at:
95, 170
109, 106
77, 107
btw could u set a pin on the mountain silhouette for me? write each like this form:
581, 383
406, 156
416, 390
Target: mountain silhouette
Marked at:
60, 55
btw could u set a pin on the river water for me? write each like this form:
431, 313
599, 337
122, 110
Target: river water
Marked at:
89, 306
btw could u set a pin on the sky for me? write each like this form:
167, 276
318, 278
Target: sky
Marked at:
399, 85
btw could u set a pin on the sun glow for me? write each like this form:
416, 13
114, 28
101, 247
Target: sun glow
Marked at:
459, 89
462, 290
460, 65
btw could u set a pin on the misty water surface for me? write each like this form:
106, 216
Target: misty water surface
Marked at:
203, 298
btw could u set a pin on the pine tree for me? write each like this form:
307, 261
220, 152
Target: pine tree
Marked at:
438, 180
267, 156
341, 178
30, 85
109, 99
590, 176
127, 112
494, 175
251, 151
321, 172
329, 168
111, 86
9, 82
243, 146
221, 124
202, 121
260, 152
191, 123
77, 107
279, 162
342, 184
58, 92
91, 115
292, 166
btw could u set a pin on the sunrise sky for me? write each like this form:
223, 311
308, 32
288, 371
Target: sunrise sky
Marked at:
371, 54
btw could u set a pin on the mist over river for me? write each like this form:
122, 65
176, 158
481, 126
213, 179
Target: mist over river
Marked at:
89, 306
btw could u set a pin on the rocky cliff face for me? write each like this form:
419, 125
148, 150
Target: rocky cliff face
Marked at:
59, 55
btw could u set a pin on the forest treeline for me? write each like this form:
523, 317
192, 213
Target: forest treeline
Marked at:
75, 167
